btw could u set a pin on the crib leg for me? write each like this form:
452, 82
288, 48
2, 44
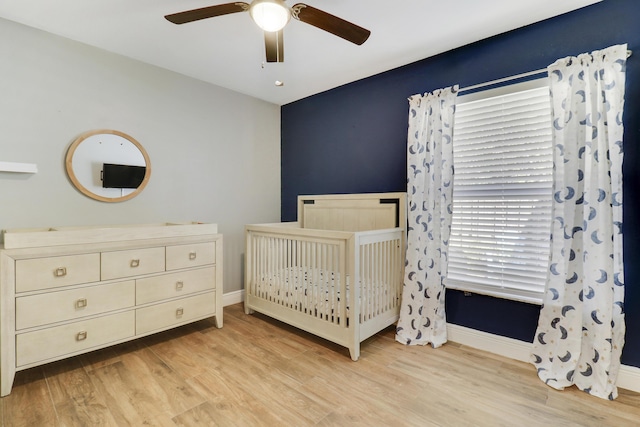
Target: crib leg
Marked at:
355, 352
247, 310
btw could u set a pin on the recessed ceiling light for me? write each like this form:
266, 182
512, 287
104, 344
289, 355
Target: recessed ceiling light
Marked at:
279, 83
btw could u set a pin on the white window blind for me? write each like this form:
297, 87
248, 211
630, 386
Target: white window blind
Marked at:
501, 223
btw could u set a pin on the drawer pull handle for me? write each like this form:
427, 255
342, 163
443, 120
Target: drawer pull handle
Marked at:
179, 312
192, 255
81, 303
179, 285
81, 336
135, 263
60, 272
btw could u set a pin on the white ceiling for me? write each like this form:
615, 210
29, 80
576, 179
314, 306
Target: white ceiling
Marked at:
229, 50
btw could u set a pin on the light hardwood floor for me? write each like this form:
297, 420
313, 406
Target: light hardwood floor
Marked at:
256, 371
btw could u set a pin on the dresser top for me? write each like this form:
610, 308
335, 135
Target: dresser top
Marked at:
55, 236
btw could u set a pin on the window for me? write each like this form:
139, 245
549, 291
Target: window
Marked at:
501, 222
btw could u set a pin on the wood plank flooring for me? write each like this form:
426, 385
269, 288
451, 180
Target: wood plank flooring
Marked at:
259, 372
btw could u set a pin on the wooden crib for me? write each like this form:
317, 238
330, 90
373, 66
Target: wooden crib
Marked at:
303, 273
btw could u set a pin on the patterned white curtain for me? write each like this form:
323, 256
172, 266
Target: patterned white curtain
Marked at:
581, 328
430, 189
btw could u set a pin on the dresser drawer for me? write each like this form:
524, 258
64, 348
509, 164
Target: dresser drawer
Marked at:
58, 341
173, 285
192, 255
36, 310
46, 273
176, 312
115, 265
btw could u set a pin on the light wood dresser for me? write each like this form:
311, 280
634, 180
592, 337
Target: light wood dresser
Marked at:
70, 290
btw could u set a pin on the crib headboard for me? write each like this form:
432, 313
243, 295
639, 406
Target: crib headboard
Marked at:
353, 212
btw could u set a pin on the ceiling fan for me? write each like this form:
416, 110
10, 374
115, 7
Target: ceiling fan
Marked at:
272, 16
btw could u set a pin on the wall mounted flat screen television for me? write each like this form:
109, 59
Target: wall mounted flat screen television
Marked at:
122, 176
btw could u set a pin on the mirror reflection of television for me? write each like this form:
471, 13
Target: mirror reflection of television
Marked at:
122, 176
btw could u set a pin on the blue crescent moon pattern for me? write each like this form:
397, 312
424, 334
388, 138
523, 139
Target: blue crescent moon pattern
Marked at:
594, 317
581, 152
570, 193
430, 178
614, 200
556, 124
594, 238
576, 230
603, 278
616, 280
563, 333
541, 338
573, 279
590, 293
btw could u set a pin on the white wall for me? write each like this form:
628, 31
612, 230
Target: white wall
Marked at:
215, 154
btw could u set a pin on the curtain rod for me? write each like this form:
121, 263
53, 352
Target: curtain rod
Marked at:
505, 79
518, 76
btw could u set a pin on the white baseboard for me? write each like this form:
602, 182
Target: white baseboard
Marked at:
507, 347
628, 377
231, 298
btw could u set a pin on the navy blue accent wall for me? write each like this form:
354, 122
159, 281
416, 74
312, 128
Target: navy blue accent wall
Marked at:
352, 139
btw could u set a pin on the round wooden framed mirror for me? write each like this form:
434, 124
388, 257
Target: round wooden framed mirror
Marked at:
108, 165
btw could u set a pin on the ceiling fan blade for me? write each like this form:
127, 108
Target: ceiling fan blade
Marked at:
330, 23
274, 46
207, 12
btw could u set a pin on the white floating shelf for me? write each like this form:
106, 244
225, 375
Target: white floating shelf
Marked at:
18, 167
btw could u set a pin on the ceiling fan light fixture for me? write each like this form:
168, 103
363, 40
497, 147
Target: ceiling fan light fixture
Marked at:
270, 15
